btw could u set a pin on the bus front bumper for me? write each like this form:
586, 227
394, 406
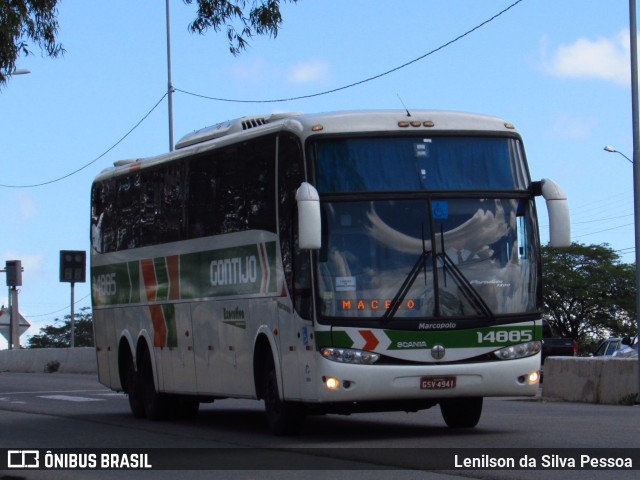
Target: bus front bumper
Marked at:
341, 382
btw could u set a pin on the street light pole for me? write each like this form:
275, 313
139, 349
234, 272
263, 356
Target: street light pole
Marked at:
636, 158
611, 149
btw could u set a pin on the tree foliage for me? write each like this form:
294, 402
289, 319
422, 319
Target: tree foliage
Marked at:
239, 21
22, 21
587, 292
59, 334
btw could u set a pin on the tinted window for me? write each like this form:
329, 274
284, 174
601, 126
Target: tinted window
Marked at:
221, 191
296, 263
419, 163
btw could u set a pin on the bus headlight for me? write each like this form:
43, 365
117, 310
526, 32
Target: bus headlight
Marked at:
518, 351
349, 355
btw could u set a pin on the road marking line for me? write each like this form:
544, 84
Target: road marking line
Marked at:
54, 391
69, 398
18, 402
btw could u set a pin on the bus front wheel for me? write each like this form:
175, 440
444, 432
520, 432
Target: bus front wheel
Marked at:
461, 412
284, 418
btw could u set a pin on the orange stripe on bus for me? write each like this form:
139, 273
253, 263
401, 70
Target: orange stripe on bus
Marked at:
157, 315
149, 276
173, 267
159, 327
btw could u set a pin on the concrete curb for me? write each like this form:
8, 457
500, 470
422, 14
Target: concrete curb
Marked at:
590, 380
30, 360
573, 379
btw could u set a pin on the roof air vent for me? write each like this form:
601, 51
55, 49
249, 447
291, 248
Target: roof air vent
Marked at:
252, 123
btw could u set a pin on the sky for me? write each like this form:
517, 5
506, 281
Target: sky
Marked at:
559, 71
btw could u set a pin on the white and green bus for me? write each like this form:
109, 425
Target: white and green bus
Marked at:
329, 263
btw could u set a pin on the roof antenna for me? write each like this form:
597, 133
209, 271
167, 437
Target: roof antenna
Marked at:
405, 107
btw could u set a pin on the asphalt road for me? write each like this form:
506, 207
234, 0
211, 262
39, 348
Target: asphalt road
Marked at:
54, 411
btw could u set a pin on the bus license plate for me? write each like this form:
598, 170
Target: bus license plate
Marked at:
437, 383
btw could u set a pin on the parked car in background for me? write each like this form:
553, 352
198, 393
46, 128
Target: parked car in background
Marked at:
608, 347
555, 346
628, 348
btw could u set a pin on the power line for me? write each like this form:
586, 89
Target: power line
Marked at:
58, 311
605, 230
584, 223
600, 202
92, 161
360, 82
375, 77
602, 219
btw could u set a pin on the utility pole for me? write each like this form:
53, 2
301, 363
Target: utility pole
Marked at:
169, 82
636, 158
14, 280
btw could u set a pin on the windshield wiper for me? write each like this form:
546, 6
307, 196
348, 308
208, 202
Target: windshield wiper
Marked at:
470, 293
408, 282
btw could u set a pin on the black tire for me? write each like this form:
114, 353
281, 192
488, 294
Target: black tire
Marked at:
156, 405
283, 418
132, 386
461, 412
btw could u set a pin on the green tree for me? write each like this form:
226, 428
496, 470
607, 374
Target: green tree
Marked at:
59, 334
22, 21
240, 22
588, 293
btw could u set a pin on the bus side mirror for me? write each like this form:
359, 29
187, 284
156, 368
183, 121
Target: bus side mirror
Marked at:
309, 224
558, 208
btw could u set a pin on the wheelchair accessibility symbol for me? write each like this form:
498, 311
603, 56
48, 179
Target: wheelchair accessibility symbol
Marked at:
440, 209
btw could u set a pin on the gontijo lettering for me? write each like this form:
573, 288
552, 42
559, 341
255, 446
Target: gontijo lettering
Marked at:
233, 271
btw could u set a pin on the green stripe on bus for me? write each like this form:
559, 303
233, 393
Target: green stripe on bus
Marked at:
498, 336
134, 279
337, 338
243, 270
162, 278
111, 285
169, 312
228, 271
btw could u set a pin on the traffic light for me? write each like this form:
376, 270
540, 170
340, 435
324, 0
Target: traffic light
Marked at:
73, 266
14, 273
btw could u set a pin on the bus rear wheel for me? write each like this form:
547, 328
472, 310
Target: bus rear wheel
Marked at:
134, 393
156, 404
283, 418
461, 412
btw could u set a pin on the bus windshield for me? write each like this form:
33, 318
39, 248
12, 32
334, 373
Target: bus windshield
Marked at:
469, 257
416, 255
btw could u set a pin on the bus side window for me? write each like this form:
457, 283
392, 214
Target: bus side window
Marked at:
202, 190
128, 201
97, 216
